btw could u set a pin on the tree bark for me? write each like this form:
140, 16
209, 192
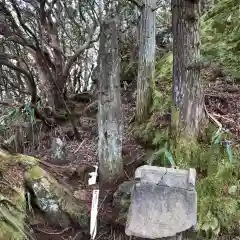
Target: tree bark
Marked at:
146, 67
110, 124
188, 112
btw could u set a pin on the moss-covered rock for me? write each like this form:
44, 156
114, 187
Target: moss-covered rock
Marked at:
54, 199
12, 200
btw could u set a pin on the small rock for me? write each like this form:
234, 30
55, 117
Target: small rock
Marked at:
232, 89
81, 195
82, 173
121, 201
58, 151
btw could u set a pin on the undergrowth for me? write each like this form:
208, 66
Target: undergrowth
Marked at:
218, 179
221, 35
218, 171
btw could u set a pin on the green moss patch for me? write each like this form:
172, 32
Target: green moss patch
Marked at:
221, 36
35, 173
12, 201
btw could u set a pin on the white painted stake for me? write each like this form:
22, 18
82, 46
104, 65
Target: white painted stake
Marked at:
94, 212
92, 180
94, 207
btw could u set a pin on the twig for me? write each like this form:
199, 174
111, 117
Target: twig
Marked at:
228, 119
80, 145
91, 105
127, 175
102, 202
216, 96
212, 117
75, 237
135, 160
103, 234
54, 233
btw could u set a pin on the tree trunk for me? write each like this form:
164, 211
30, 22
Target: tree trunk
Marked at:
188, 111
146, 64
110, 124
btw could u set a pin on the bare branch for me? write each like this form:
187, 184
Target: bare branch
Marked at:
22, 23
138, 3
31, 81
16, 35
13, 85
80, 50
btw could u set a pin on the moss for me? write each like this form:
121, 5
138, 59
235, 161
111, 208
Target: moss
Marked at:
220, 35
122, 200
13, 217
149, 131
55, 199
8, 232
160, 137
77, 212
12, 201
35, 173
162, 100
164, 67
216, 175
25, 159
218, 179
162, 87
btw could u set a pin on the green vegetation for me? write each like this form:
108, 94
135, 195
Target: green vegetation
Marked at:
218, 183
162, 100
221, 36
35, 173
12, 201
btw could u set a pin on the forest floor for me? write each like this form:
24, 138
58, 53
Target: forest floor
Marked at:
222, 99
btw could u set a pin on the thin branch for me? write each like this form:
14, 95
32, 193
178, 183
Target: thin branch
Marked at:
17, 35
80, 50
138, 3
31, 81
25, 27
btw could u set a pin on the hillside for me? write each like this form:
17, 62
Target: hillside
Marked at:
216, 156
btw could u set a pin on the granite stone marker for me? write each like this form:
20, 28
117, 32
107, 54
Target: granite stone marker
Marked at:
163, 202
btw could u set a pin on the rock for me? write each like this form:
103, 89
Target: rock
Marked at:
58, 151
12, 199
54, 199
163, 203
121, 201
81, 195
82, 173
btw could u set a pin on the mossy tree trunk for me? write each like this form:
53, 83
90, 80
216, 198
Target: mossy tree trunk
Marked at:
188, 113
110, 124
146, 63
